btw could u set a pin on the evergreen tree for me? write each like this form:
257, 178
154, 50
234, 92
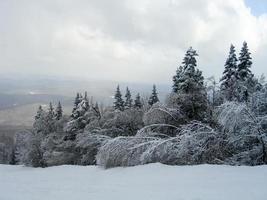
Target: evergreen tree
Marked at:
119, 103
97, 110
77, 101
245, 63
229, 79
59, 112
50, 118
137, 102
40, 124
86, 102
189, 84
247, 83
191, 79
154, 96
128, 100
176, 79
51, 113
39, 113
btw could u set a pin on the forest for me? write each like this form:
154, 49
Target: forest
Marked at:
201, 121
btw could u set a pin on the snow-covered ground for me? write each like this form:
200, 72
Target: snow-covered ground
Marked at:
148, 182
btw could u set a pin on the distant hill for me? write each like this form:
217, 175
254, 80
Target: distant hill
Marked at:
21, 96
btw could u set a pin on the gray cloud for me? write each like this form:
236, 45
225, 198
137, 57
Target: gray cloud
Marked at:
141, 40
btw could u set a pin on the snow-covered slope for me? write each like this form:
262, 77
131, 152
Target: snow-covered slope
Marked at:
148, 182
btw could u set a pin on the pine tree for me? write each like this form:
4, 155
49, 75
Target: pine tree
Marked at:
229, 79
128, 100
176, 79
97, 110
59, 112
191, 78
245, 63
137, 102
50, 118
189, 85
77, 101
51, 113
40, 124
86, 102
247, 83
119, 103
39, 113
154, 96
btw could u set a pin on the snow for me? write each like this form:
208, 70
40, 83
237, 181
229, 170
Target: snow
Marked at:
147, 182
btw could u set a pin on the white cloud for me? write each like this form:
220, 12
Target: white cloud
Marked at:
131, 40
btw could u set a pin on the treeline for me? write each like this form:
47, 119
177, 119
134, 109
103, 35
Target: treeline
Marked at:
199, 122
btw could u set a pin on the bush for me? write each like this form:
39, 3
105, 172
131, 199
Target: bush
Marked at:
196, 144
163, 119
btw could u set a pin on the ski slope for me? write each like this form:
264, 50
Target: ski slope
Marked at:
148, 182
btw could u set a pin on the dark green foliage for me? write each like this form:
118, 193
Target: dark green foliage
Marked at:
39, 113
245, 63
119, 103
247, 83
97, 110
177, 79
128, 99
59, 111
86, 102
137, 102
189, 85
230, 76
154, 96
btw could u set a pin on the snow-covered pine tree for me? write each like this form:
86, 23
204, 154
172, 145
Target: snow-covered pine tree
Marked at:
50, 118
79, 118
119, 103
76, 103
40, 124
86, 102
128, 99
59, 111
245, 63
51, 113
154, 96
82, 108
176, 79
247, 83
191, 78
97, 110
39, 113
137, 101
229, 79
189, 85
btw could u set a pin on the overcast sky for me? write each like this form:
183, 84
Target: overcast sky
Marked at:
127, 40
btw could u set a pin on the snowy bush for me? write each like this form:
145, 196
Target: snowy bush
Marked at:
237, 118
162, 119
196, 144
128, 121
4, 153
21, 145
81, 151
122, 151
87, 145
245, 136
6, 149
34, 153
258, 102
